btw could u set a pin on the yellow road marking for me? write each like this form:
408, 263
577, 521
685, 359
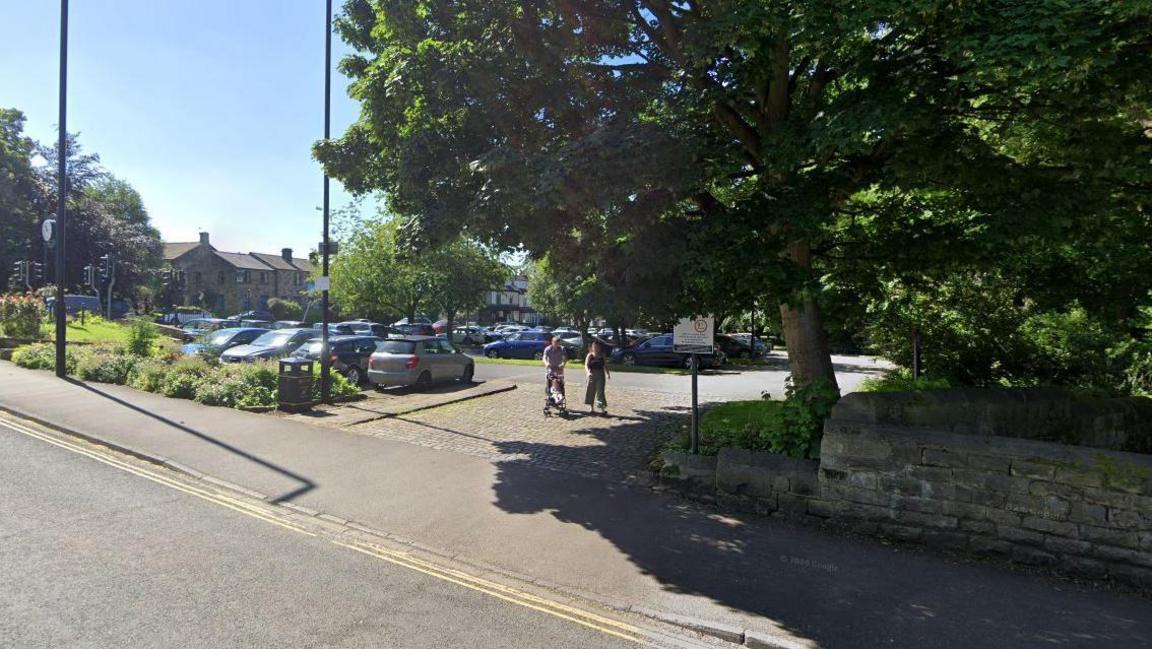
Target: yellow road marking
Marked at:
527, 600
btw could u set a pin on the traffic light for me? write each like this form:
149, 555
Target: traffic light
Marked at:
35, 273
105, 267
20, 273
90, 275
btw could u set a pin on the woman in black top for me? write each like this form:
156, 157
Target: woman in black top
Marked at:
595, 363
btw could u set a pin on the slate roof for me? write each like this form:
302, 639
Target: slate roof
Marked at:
241, 260
177, 248
275, 261
303, 264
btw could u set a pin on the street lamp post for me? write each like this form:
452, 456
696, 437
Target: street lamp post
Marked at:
61, 308
325, 358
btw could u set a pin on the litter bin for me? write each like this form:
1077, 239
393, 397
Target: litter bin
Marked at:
295, 384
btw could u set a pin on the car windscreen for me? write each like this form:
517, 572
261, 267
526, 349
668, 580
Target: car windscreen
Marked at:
396, 347
219, 337
273, 339
311, 347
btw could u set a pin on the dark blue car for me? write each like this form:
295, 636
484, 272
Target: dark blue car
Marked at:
658, 350
524, 344
216, 342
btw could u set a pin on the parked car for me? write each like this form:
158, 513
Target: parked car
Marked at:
263, 324
369, 328
658, 350
254, 315
194, 329
415, 320
348, 354
738, 347
335, 329
524, 344
419, 361
218, 341
288, 324
417, 329
469, 335
277, 343
763, 343
439, 326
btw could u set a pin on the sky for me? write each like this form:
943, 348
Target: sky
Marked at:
208, 108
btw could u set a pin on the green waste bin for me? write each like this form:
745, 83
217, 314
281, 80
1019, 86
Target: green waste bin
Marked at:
295, 384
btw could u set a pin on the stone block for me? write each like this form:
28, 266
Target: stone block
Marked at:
1020, 536
901, 532
955, 541
1048, 526
991, 463
863, 480
1067, 492
966, 511
1032, 556
978, 527
987, 498
1081, 512
1061, 545
912, 504
1135, 575
929, 473
1038, 470
865, 511
1123, 555
927, 520
1124, 519
984, 546
832, 475
793, 504
865, 496
943, 458
805, 483
1077, 477
1004, 517
1121, 538
901, 486
824, 508
781, 483
1050, 507
1081, 566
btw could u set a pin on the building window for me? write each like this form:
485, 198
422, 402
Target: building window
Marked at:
220, 278
263, 277
243, 277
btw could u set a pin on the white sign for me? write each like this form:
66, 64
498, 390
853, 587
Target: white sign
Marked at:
693, 335
48, 230
323, 283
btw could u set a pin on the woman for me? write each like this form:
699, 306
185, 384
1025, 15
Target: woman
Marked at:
595, 363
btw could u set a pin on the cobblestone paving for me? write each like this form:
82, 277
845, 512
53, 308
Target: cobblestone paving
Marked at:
511, 426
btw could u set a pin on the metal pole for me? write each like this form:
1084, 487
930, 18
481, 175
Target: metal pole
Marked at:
62, 180
916, 353
111, 283
695, 407
325, 361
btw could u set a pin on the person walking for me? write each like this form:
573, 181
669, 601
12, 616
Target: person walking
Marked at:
554, 360
596, 364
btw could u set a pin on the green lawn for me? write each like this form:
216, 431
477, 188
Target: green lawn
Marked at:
94, 330
738, 424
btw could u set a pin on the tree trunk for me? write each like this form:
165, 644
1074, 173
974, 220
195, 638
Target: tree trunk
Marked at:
804, 334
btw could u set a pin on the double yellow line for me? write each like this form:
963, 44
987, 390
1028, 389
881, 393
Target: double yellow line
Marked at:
579, 616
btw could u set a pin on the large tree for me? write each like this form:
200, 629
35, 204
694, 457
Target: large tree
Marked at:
22, 196
544, 123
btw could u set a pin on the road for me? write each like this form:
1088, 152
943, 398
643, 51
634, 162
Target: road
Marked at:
718, 385
94, 556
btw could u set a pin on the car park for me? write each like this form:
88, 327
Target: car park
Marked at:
524, 344
369, 328
348, 354
194, 329
659, 350
469, 335
738, 347
288, 324
419, 361
276, 343
335, 329
253, 315
415, 329
414, 320
216, 342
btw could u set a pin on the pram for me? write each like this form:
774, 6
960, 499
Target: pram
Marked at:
554, 397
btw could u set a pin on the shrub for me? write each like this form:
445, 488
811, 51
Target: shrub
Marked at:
802, 419
148, 375
141, 337
184, 377
900, 380
105, 365
239, 386
42, 356
340, 387
21, 315
284, 309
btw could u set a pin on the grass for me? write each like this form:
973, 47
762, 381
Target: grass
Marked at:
738, 424
632, 369
93, 330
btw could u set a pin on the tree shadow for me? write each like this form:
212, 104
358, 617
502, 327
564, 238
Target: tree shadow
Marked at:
306, 485
819, 584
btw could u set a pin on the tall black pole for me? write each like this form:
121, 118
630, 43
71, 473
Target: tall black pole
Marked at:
61, 308
325, 360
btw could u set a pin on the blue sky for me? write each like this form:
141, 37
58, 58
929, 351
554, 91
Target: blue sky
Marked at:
209, 108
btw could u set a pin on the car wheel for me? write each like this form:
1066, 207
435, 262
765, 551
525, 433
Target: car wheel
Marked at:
688, 362
628, 359
468, 341
492, 353
466, 377
354, 375
423, 381
538, 356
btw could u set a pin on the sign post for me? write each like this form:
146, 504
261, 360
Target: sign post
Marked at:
694, 336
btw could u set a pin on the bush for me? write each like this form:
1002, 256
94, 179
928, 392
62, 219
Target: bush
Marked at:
284, 309
239, 386
148, 375
105, 365
340, 387
21, 315
141, 338
42, 356
184, 377
900, 380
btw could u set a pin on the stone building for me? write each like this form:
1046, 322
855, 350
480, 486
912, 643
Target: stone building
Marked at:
510, 304
233, 282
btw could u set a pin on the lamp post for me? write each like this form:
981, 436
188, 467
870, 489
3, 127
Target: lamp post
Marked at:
325, 358
61, 308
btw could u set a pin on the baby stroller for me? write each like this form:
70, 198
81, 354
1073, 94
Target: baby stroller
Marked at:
554, 397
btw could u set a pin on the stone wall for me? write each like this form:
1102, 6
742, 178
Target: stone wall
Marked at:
887, 469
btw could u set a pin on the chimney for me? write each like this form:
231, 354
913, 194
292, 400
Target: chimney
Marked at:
286, 253
204, 239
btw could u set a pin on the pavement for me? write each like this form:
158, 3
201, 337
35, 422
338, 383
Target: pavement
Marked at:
393, 402
558, 503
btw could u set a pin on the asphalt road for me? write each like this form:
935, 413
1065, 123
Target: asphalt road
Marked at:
92, 556
727, 384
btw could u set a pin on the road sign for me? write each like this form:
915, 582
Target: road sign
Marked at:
48, 230
322, 284
693, 335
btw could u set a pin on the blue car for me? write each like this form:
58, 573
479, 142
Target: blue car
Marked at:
658, 350
524, 344
216, 342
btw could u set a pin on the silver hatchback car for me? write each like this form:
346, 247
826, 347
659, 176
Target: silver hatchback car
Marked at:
418, 361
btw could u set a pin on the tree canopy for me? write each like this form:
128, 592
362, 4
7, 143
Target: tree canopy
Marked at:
787, 142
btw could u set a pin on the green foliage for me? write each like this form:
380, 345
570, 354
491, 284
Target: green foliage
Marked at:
239, 386
284, 309
148, 375
106, 365
739, 424
21, 315
141, 338
900, 380
184, 378
339, 386
802, 418
42, 356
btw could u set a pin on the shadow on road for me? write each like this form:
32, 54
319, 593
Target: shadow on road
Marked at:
816, 584
306, 485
